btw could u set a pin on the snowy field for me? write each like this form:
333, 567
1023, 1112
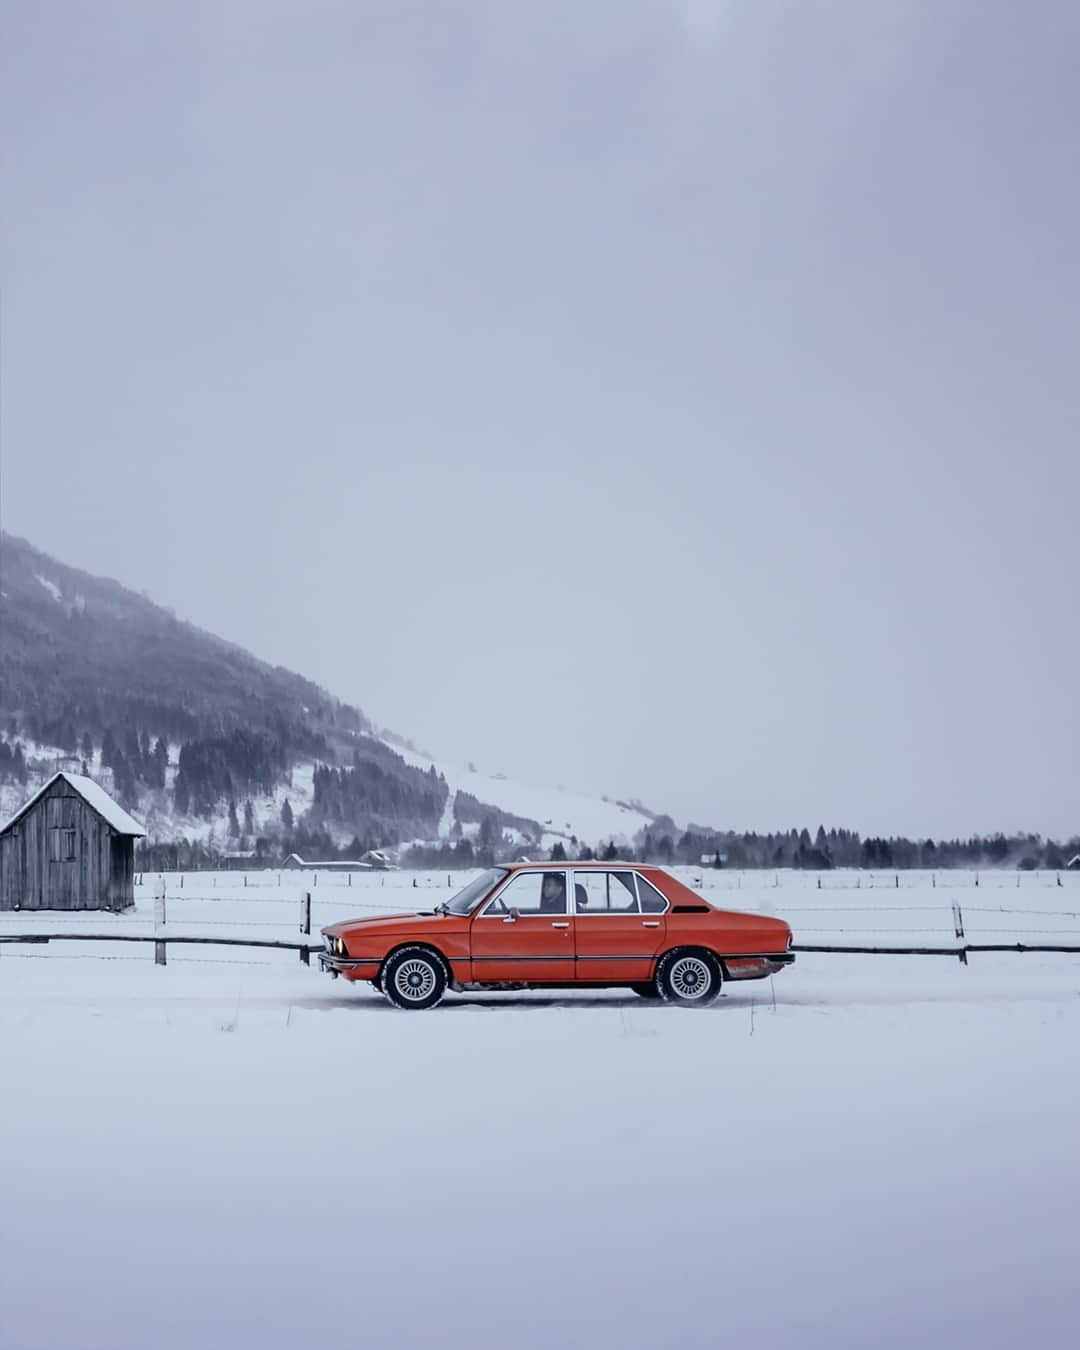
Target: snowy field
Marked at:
235, 1150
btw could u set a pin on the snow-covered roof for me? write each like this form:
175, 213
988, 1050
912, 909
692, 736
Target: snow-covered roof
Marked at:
347, 864
94, 795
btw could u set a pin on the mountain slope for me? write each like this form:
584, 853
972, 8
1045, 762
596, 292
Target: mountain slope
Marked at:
82, 650
182, 725
207, 742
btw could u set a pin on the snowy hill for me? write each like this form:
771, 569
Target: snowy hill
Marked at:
560, 814
206, 743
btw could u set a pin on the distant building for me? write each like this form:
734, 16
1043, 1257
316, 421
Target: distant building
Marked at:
294, 860
1074, 864
69, 847
239, 861
379, 861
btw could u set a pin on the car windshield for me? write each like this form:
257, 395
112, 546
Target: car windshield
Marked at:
466, 900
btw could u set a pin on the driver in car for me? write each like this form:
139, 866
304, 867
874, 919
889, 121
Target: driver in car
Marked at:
553, 894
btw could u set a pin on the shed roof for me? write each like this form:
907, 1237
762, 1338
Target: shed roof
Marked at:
94, 795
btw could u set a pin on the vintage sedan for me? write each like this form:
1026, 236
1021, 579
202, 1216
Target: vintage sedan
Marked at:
576, 925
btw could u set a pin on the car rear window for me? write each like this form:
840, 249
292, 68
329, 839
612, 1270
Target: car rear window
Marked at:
652, 902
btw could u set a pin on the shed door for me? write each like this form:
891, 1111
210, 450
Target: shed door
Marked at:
121, 871
62, 872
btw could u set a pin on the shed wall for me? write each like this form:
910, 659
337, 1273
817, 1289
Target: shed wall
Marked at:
31, 877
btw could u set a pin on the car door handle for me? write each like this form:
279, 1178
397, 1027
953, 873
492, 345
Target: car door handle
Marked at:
564, 924
654, 923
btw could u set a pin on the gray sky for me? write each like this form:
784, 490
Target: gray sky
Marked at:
663, 399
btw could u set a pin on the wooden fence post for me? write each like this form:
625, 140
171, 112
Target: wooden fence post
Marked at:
159, 921
305, 925
958, 929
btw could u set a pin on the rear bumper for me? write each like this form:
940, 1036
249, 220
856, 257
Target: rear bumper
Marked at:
756, 967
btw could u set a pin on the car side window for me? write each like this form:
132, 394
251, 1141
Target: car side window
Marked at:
530, 893
652, 902
605, 893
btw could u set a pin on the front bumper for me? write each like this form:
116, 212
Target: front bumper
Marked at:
352, 967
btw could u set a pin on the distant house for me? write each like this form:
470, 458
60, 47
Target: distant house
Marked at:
1074, 864
294, 860
239, 861
69, 847
379, 861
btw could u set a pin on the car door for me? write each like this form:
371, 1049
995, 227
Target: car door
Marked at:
617, 932
525, 932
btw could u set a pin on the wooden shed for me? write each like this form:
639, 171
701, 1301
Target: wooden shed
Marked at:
69, 847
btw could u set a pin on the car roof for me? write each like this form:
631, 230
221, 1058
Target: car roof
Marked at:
577, 866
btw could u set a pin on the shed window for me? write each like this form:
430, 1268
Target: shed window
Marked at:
61, 845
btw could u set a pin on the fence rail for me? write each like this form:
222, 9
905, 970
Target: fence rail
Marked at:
161, 940
165, 939
961, 953
306, 948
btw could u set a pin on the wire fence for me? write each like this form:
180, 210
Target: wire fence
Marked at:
279, 911
839, 879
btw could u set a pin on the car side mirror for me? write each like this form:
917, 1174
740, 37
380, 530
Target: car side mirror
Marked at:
513, 916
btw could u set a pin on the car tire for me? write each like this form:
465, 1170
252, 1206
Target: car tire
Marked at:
689, 976
646, 990
414, 978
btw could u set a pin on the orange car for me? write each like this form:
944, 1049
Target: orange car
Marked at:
544, 924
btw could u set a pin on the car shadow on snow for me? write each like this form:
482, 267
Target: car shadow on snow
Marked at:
534, 1001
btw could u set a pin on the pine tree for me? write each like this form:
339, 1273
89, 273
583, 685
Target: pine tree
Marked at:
161, 762
234, 823
108, 748
287, 815
558, 853
249, 818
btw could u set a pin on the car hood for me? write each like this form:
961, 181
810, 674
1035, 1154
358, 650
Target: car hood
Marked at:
395, 923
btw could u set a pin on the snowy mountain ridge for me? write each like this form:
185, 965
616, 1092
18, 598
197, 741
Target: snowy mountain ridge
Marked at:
206, 743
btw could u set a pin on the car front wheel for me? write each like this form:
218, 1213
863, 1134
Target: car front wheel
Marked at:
414, 978
689, 977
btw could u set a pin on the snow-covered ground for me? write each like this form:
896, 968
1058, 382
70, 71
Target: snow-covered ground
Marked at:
235, 1150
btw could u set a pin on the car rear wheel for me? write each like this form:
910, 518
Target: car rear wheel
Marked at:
414, 978
689, 976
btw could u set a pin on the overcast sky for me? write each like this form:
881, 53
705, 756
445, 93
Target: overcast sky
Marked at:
665, 399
